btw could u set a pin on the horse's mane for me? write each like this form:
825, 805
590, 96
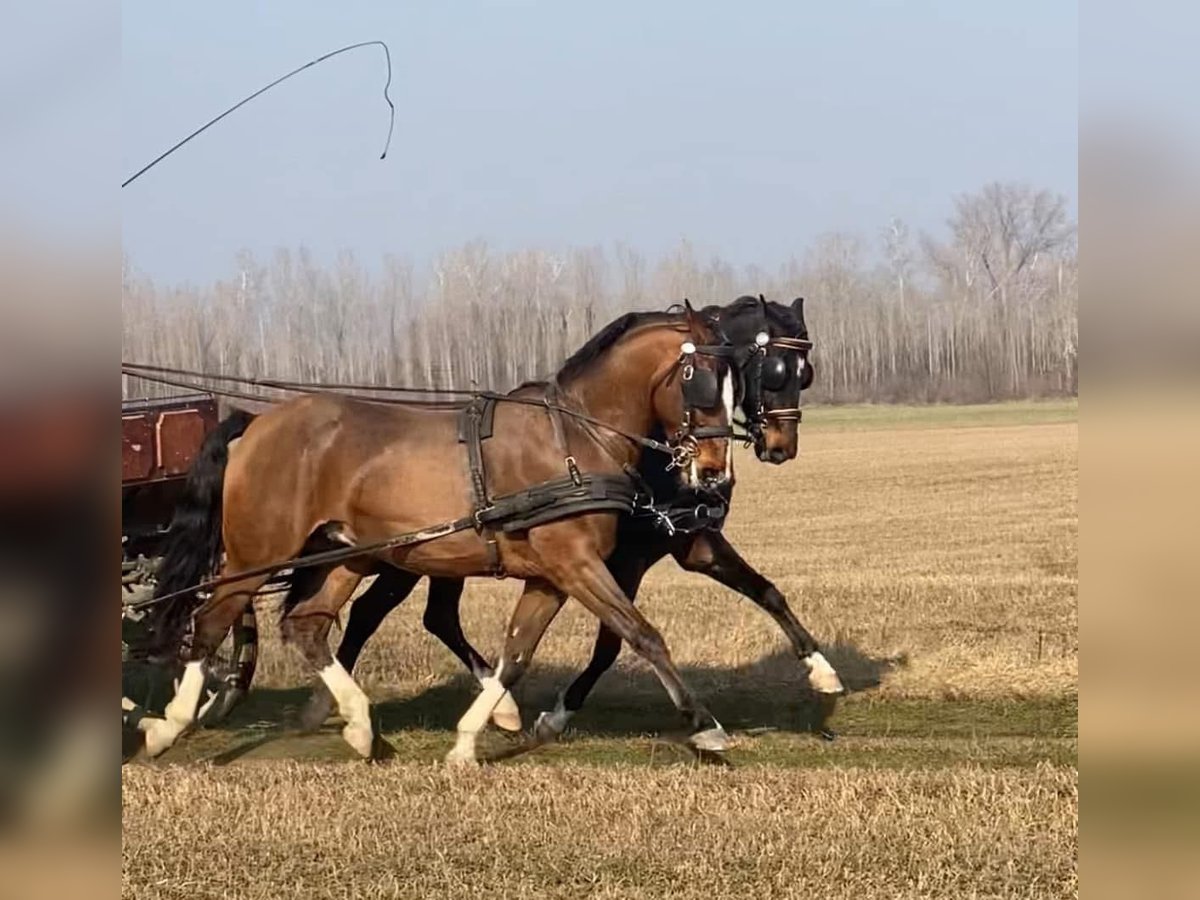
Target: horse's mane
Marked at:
780, 314
600, 342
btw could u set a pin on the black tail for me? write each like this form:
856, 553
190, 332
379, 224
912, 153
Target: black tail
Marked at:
193, 544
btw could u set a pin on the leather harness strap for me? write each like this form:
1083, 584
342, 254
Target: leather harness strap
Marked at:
476, 425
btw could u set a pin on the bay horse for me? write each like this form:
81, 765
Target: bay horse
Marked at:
774, 373
354, 472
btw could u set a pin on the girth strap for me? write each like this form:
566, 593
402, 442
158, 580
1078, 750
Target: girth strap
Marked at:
557, 499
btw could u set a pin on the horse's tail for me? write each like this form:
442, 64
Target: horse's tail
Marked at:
193, 546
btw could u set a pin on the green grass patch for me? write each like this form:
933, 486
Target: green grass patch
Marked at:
867, 417
899, 734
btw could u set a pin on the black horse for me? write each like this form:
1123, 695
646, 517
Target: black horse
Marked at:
773, 343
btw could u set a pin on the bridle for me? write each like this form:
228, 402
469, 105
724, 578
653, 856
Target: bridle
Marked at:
701, 390
769, 373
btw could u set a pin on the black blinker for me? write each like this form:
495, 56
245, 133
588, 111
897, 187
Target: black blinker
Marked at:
774, 373
702, 390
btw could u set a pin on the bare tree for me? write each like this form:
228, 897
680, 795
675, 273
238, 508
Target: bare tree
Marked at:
990, 312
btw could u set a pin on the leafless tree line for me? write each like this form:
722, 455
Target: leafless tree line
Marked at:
989, 313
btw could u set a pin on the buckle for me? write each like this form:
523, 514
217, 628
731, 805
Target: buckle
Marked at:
573, 471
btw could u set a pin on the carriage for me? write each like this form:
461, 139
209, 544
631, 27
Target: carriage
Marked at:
160, 439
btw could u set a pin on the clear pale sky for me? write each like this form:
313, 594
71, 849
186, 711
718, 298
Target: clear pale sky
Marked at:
748, 128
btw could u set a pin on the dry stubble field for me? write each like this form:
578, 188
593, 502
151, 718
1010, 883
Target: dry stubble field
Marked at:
933, 550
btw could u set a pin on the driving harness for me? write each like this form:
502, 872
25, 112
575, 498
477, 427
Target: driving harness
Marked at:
546, 501
575, 493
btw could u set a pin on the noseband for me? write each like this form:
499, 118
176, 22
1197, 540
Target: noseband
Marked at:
770, 370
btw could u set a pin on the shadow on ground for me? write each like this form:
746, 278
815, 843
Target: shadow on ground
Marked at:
770, 693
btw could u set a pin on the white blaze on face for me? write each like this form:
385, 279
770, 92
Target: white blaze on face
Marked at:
727, 399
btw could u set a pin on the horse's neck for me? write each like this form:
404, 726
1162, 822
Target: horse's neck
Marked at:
618, 390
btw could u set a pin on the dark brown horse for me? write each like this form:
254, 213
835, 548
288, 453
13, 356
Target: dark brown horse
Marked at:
358, 473
775, 372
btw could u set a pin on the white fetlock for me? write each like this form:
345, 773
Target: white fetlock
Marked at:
714, 740
821, 675
361, 737
552, 723
463, 751
159, 734
507, 715
180, 713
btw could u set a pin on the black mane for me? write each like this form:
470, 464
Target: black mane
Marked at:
780, 314
600, 342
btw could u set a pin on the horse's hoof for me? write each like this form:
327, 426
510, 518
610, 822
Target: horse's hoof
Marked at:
159, 736
382, 749
712, 740
361, 738
826, 735
507, 715
821, 675
550, 725
463, 752
315, 712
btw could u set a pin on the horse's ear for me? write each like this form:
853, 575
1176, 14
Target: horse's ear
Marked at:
695, 322
798, 307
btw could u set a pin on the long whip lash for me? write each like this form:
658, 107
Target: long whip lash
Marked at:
391, 106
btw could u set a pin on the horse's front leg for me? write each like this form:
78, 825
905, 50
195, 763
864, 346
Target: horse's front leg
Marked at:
628, 564
588, 580
710, 553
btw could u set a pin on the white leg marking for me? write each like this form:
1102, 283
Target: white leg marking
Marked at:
180, 712
551, 724
822, 676
727, 398
353, 706
475, 718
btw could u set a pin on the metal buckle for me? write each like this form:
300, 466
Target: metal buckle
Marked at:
573, 471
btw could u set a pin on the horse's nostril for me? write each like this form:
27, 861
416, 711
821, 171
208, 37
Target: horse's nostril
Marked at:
777, 455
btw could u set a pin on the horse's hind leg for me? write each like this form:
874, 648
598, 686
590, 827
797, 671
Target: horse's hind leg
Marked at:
210, 625
390, 588
443, 622
306, 626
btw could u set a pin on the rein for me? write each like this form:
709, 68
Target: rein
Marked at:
158, 375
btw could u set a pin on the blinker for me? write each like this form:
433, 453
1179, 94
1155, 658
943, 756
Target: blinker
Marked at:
701, 390
774, 373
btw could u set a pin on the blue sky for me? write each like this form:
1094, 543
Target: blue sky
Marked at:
747, 128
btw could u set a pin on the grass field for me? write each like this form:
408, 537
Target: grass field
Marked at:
933, 550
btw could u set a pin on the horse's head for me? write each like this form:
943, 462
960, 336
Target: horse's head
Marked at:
668, 375
772, 347
694, 401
